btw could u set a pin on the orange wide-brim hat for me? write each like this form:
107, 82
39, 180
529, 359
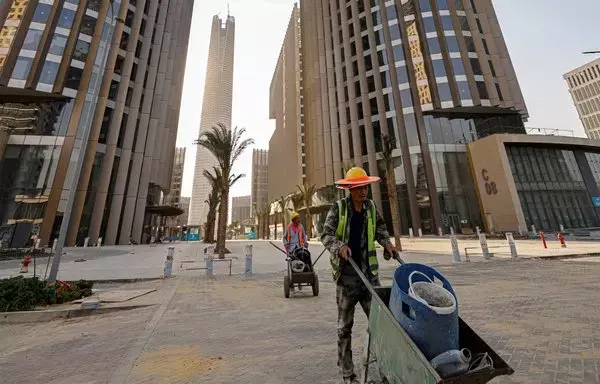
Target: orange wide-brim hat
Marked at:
356, 177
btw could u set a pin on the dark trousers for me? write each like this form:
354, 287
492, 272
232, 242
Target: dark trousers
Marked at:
350, 292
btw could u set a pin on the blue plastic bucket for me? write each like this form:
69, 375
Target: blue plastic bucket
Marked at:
433, 333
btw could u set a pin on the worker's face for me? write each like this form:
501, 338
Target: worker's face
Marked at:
296, 220
359, 194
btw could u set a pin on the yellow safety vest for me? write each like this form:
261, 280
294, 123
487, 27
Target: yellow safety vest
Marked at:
343, 231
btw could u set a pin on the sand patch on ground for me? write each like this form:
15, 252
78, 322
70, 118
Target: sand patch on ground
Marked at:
172, 364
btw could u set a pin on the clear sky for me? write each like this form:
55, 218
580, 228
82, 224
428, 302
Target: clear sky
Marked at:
545, 39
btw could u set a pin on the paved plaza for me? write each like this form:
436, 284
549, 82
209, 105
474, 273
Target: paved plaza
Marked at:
541, 316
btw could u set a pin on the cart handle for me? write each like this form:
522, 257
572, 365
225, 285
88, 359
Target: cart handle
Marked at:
294, 257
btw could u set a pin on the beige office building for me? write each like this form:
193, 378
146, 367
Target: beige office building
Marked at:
260, 180
241, 208
216, 108
61, 76
433, 75
584, 86
286, 147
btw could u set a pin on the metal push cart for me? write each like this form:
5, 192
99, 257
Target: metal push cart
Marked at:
400, 361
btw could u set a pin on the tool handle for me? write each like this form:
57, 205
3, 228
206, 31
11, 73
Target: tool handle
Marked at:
395, 255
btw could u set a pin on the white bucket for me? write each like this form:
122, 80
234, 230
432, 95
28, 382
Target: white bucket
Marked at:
435, 297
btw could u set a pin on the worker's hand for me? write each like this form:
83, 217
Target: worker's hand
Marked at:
344, 252
390, 251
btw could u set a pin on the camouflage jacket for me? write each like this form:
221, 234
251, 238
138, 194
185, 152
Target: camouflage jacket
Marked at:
333, 244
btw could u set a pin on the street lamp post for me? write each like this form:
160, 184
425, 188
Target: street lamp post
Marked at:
64, 227
591, 53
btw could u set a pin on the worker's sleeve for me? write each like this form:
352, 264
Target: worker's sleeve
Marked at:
328, 236
381, 234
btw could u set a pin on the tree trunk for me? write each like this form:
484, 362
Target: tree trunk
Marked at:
222, 229
393, 197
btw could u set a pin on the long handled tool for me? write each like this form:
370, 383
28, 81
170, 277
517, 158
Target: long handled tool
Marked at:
287, 254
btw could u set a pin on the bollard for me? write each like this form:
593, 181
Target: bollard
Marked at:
54, 244
478, 231
420, 232
562, 228
99, 242
561, 238
169, 262
455, 250
533, 229
86, 242
248, 259
484, 247
440, 232
512, 245
452, 231
209, 265
543, 239
411, 233
37, 243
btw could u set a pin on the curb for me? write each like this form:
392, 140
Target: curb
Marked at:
120, 281
49, 315
567, 257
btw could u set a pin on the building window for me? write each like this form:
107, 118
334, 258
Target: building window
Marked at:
434, 46
439, 68
385, 79
32, 40
429, 24
73, 78
402, 75
470, 44
406, 98
373, 105
94, 5
485, 47
22, 67
424, 5
443, 4
41, 13
49, 71
382, 57
452, 44
458, 67
482, 89
66, 18
463, 90
447, 23
108, 112
57, 47
464, 23
391, 13
444, 91
476, 67
395, 32
114, 89
129, 18
81, 50
88, 25
499, 92
398, 53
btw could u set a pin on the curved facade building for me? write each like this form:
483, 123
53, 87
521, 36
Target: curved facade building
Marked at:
433, 74
113, 68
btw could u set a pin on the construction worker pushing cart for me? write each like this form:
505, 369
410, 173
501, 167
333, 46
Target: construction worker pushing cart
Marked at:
351, 228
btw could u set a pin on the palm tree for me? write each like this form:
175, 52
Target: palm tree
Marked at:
266, 222
227, 146
388, 146
296, 200
213, 203
307, 192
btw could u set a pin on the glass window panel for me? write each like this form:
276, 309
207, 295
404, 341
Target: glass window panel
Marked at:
73, 78
434, 46
402, 75
444, 90
406, 98
382, 57
57, 47
88, 24
22, 67
410, 124
476, 66
32, 39
464, 23
464, 91
391, 13
452, 44
447, 23
482, 89
395, 32
41, 13
81, 50
94, 5
66, 18
439, 68
424, 5
429, 24
443, 4
398, 53
458, 67
385, 79
49, 71
470, 44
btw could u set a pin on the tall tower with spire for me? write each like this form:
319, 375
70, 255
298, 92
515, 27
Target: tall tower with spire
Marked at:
216, 108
